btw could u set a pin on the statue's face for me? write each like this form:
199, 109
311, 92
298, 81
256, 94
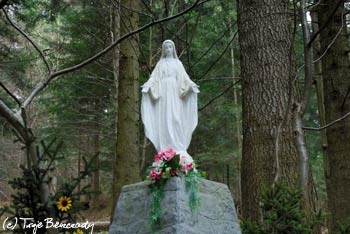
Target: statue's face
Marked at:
168, 50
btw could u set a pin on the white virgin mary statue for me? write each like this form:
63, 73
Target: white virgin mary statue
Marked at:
169, 104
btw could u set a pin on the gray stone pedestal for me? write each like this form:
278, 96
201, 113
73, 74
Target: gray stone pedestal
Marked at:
217, 214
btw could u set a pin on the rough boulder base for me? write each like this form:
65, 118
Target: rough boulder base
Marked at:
217, 214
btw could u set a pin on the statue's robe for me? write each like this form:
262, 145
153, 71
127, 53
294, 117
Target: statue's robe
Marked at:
169, 107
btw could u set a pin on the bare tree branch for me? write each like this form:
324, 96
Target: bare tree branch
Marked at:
216, 97
332, 42
312, 6
118, 4
148, 8
40, 86
9, 93
324, 26
346, 98
222, 54
4, 195
15, 120
324, 52
212, 45
30, 40
220, 78
329, 124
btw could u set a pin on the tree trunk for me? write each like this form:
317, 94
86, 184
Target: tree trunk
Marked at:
115, 33
127, 146
96, 178
336, 78
237, 128
145, 144
267, 65
320, 94
79, 162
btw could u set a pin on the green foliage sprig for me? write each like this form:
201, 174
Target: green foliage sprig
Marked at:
157, 189
192, 187
27, 201
169, 164
282, 213
343, 228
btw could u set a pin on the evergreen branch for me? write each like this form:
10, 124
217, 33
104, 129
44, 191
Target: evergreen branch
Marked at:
40, 86
30, 40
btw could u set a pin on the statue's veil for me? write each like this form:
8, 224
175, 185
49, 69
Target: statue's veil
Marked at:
174, 49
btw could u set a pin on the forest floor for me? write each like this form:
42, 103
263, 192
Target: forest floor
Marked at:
98, 215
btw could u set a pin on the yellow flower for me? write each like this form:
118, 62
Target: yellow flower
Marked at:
78, 231
64, 203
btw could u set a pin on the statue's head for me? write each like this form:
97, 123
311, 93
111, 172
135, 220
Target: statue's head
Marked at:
168, 49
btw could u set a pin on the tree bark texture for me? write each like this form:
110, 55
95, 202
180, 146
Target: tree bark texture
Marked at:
267, 65
336, 80
115, 33
127, 147
96, 177
320, 92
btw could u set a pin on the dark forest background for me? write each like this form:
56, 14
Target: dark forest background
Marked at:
274, 100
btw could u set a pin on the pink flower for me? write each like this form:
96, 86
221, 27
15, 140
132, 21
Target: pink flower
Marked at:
167, 154
155, 174
174, 172
182, 160
189, 166
157, 157
184, 169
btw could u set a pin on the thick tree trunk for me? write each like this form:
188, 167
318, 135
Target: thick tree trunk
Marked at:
115, 33
266, 69
336, 78
127, 163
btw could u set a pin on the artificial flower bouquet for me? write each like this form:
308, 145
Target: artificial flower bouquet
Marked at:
168, 164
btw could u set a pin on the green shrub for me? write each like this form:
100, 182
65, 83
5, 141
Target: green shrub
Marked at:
27, 201
282, 213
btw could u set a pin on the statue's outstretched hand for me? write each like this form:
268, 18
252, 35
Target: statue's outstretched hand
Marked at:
145, 89
195, 89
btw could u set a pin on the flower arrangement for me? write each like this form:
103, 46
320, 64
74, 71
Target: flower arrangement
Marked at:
169, 164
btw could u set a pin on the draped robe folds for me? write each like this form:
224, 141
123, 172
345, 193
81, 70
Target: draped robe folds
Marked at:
169, 107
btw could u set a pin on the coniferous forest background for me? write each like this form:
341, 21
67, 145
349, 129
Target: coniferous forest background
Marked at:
274, 97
